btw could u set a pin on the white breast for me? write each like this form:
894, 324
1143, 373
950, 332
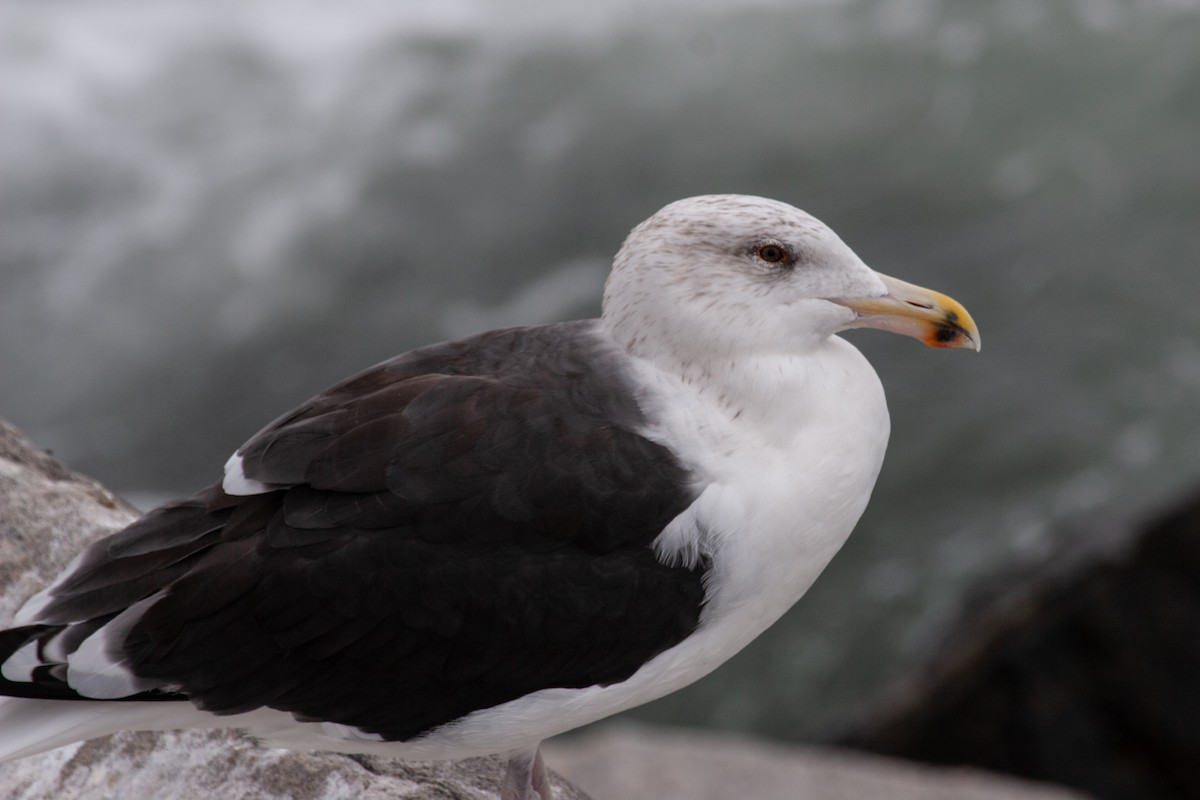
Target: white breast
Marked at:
789, 478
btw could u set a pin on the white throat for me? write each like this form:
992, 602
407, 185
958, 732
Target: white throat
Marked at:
765, 387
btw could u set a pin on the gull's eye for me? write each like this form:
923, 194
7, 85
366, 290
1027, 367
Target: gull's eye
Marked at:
772, 253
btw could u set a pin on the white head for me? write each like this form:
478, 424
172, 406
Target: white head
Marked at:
720, 276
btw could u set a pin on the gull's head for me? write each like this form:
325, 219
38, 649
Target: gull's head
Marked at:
718, 276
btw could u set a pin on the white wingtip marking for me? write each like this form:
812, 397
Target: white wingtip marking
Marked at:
20, 665
54, 649
236, 483
28, 614
96, 669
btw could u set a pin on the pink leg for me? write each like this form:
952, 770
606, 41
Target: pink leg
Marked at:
525, 778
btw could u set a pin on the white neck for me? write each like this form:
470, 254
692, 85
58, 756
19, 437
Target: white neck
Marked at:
762, 386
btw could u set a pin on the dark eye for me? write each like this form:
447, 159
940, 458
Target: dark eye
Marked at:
772, 254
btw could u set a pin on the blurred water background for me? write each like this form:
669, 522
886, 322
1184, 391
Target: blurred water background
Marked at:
209, 211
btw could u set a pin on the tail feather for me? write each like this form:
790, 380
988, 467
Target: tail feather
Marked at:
40, 711
31, 726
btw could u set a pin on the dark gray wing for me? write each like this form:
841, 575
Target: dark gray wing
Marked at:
455, 528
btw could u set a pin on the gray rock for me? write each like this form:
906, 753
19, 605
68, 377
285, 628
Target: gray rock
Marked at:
621, 762
47, 513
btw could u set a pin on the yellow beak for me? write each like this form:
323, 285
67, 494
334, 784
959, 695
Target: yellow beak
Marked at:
932, 317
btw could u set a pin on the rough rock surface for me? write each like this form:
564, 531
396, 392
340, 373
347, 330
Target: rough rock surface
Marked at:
1085, 673
46, 514
620, 762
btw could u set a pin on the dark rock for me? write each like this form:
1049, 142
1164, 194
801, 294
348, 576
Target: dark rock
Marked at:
1086, 675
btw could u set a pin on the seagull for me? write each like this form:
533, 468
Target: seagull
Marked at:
485, 542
